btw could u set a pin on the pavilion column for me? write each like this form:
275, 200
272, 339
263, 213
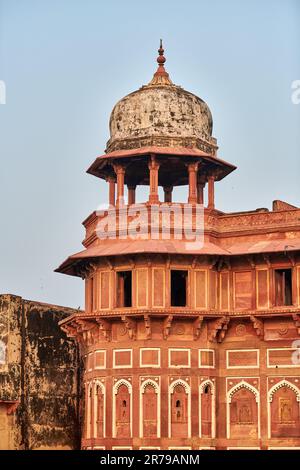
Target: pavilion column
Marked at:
192, 169
153, 168
120, 172
131, 194
112, 190
211, 192
168, 193
200, 193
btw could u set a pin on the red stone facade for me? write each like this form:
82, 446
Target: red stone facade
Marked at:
187, 348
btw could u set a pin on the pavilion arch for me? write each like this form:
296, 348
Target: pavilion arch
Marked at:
156, 388
231, 392
99, 384
202, 388
187, 390
116, 388
273, 390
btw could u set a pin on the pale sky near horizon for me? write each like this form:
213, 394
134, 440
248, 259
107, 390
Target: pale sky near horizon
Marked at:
66, 63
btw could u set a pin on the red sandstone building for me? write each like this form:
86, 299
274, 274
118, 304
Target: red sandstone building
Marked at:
184, 347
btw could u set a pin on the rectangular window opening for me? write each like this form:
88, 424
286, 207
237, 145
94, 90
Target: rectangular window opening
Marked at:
283, 287
124, 289
178, 288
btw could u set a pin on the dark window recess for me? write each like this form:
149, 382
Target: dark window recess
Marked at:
178, 288
124, 289
283, 287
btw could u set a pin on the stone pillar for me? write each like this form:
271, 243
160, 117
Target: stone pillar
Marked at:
200, 193
192, 169
112, 190
168, 193
131, 194
211, 192
153, 168
120, 172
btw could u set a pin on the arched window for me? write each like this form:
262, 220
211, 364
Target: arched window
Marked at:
150, 410
243, 412
179, 415
99, 411
89, 409
122, 409
207, 409
284, 413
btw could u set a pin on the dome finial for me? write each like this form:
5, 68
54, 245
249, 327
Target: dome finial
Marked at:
161, 77
161, 58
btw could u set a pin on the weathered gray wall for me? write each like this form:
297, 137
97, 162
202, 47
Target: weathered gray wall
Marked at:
40, 371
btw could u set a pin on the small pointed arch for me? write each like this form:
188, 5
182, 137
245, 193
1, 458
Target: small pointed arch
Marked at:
184, 384
99, 421
232, 425
207, 409
120, 382
179, 409
207, 383
89, 409
283, 383
151, 383
149, 408
98, 385
243, 384
122, 409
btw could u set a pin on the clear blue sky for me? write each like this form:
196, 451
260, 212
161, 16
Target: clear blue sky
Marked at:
66, 63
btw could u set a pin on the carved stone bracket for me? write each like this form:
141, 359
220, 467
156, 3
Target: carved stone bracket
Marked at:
167, 326
296, 319
291, 257
219, 328
267, 260
147, 321
70, 330
197, 327
258, 325
130, 325
105, 328
86, 269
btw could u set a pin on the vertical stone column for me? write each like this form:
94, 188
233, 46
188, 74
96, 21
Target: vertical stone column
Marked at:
168, 193
211, 192
112, 190
200, 192
153, 168
192, 169
120, 172
131, 194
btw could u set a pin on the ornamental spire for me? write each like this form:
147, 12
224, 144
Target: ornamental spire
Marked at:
161, 77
